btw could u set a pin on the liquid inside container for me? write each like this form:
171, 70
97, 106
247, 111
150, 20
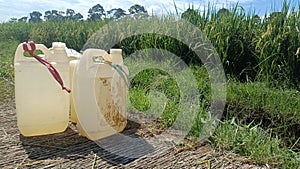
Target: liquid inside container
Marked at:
42, 106
99, 95
73, 114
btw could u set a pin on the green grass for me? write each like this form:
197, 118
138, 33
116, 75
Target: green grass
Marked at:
251, 49
266, 50
6, 69
262, 116
277, 110
253, 142
260, 122
74, 34
157, 86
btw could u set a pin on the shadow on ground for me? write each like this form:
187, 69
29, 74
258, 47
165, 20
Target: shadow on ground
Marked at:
121, 148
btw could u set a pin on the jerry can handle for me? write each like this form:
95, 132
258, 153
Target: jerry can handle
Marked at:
95, 54
30, 47
19, 56
105, 58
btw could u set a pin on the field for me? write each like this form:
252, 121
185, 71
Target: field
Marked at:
261, 60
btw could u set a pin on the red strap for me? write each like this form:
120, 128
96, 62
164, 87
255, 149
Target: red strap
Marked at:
43, 61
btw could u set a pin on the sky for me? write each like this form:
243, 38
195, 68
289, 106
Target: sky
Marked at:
20, 8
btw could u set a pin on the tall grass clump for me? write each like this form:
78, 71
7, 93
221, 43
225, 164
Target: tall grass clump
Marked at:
15, 31
231, 32
277, 48
251, 48
73, 33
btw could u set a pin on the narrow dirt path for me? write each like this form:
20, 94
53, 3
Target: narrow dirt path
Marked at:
70, 150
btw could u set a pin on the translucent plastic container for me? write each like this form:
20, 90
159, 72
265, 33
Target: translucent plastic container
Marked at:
73, 115
99, 114
41, 104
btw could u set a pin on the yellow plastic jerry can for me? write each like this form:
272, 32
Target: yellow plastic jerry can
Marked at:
42, 106
99, 93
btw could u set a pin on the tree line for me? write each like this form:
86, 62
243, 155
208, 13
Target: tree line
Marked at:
96, 13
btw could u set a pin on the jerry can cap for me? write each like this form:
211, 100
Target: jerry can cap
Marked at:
59, 45
115, 51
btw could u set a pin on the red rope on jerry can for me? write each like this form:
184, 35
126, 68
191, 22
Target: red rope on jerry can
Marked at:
46, 63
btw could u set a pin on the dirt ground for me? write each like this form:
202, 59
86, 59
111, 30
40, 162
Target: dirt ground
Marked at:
70, 150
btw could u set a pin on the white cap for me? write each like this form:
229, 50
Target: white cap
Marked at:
58, 45
116, 56
115, 51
